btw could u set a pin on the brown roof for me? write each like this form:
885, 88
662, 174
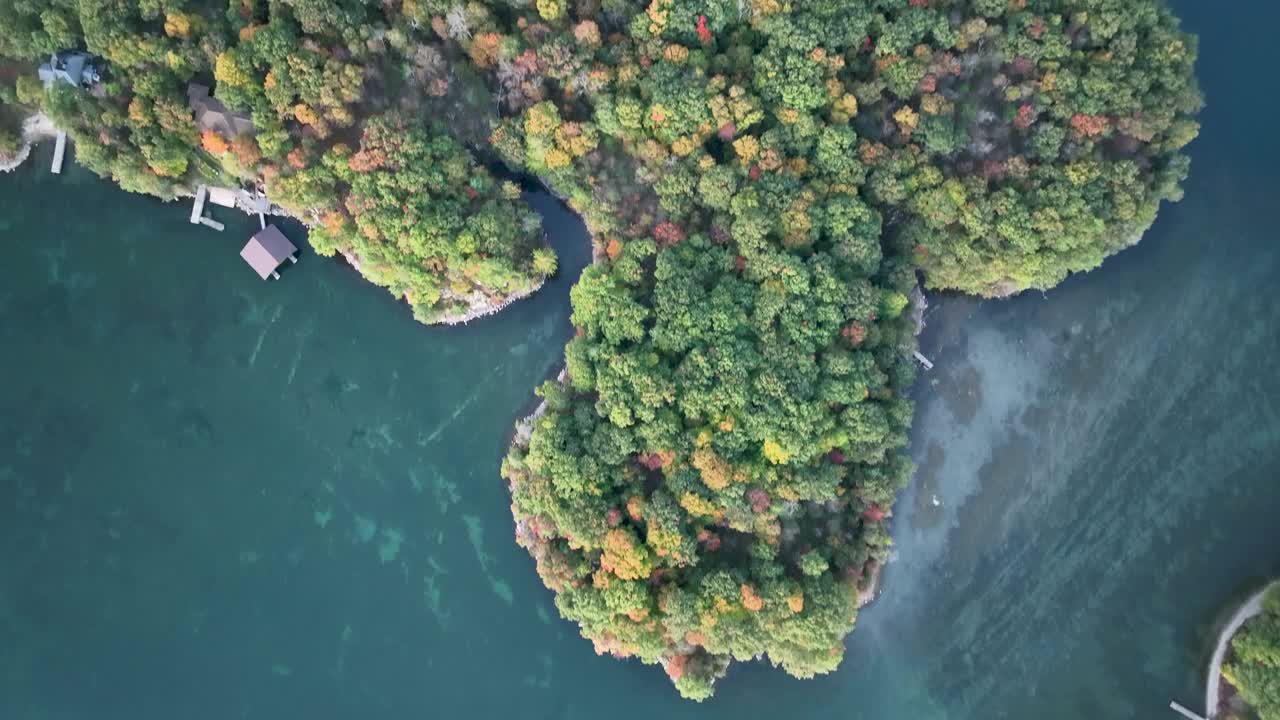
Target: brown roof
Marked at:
267, 250
211, 114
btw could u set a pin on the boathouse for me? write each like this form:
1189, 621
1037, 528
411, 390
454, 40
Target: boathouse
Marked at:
267, 251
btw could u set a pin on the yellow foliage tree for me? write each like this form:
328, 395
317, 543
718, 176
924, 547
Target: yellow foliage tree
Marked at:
140, 112
227, 69
304, 114
716, 473
747, 147
675, 53
177, 24
624, 557
551, 9
541, 119
774, 453
907, 119
697, 505
556, 159
587, 33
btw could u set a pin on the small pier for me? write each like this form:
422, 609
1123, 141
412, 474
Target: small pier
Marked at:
919, 356
1173, 705
59, 152
255, 203
197, 210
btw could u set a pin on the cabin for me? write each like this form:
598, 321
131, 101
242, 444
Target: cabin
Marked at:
212, 115
267, 251
72, 67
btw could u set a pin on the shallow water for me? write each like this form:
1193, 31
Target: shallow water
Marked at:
226, 498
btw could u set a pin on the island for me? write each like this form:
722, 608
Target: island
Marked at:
768, 184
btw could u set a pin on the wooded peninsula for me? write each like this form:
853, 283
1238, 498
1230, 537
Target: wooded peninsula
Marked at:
767, 182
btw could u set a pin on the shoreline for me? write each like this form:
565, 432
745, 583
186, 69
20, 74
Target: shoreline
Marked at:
474, 312
1248, 610
872, 593
485, 309
35, 129
39, 127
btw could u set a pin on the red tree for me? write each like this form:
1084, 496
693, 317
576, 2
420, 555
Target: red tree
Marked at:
1026, 116
1089, 125
855, 332
667, 233
759, 500
703, 33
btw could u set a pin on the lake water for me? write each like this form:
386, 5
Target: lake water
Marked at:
223, 498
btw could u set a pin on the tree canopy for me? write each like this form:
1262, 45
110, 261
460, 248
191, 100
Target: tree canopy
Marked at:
713, 480
1254, 665
766, 182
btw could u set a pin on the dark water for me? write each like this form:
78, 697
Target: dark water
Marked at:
222, 498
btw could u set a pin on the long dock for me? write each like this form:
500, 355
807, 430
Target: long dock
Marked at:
59, 152
923, 360
197, 208
1173, 705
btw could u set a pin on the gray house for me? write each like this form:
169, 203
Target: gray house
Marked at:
267, 251
72, 67
211, 114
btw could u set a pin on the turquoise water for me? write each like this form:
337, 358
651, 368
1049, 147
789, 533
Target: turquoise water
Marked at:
223, 498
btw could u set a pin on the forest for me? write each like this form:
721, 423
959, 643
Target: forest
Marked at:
767, 183
1253, 667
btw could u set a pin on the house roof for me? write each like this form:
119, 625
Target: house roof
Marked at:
211, 114
267, 250
71, 66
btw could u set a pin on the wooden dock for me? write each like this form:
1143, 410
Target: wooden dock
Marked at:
59, 152
197, 208
923, 360
1173, 705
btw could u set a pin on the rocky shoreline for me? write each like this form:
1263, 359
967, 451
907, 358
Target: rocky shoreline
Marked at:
475, 310
490, 308
35, 128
